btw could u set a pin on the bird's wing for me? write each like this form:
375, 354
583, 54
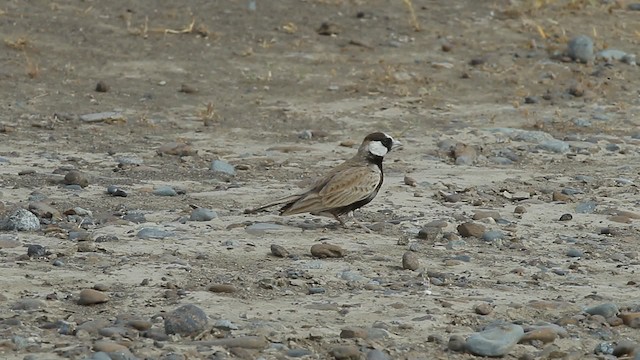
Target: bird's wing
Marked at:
342, 189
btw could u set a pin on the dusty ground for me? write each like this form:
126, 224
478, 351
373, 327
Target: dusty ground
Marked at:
240, 86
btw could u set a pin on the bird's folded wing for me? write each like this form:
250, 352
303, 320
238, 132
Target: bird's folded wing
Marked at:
344, 188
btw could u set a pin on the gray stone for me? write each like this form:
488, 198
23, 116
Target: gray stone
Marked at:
225, 325
492, 235
20, 220
376, 354
495, 341
582, 122
154, 233
100, 355
557, 146
296, 353
202, 214
186, 320
36, 250
611, 54
222, 167
575, 253
135, 217
580, 48
165, 191
605, 310
586, 207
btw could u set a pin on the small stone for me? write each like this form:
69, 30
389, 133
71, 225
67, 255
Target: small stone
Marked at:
556, 146
222, 167
223, 324
376, 354
495, 341
471, 229
410, 261
605, 348
36, 251
346, 352
279, 251
586, 207
165, 191
631, 319
492, 235
202, 214
116, 191
140, 325
186, 320
464, 154
92, 297
430, 233
327, 251
316, 290
75, 177
28, 304
575, 253
559, 196
328, 29
222, 288
566, 217
44, 211
107, 116
605, 310
580, 48
483, 309
187, 89
408, 180
545, 334
520, 209
109, 346
296, 353
531, 100
102, 86
457, 343
483, 214
20, 220
354, 332
154, 233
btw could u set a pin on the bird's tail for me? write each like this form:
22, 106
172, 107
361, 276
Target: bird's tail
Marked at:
285, 200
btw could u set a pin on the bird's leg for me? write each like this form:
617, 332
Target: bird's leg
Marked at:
340, 221
352, 217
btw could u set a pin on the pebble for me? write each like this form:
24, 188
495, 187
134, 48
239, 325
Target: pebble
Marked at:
631, 319
483, 309
36, 250
346, 352
113, 190
154, 233
225, 325
492, 235
556, 146
376, 354
102, 116
279, 251
20, 220
57, 262
296, 353
327, 251
109, 346
222, 167
410, 261
565, 217
135, 217
605, 348
186, 320
92, 297
471, 229
575, 253
605, 310
129, 160
408, 180
580, 48
430, 233
457, 343
520, 209
44, 210
483, 214
102, 86
140, 325
165, 191
202, 214
495, 341
75, 177
316, 290
586, 207
28, 304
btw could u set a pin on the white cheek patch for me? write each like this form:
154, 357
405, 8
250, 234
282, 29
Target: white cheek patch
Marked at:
377, 148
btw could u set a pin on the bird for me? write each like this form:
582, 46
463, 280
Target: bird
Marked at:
346, 187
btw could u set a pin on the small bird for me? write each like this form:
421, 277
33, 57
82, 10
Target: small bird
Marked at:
346, 187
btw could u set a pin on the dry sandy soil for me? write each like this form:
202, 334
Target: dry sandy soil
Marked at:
244, 87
